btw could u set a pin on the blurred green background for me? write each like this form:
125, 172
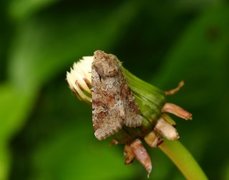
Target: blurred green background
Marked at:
46, 133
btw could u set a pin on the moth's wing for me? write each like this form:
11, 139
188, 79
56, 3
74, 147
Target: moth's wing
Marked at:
106, 127
107, 112
133, 117
107, 120
132, 112
133, 120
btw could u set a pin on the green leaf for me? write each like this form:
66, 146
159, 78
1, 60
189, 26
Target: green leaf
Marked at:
14, 107
4, 161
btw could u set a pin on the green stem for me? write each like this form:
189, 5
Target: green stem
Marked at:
182, 158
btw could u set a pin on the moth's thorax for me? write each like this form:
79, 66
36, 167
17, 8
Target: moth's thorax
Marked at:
106, 65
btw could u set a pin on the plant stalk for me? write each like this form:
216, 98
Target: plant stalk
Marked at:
184, 161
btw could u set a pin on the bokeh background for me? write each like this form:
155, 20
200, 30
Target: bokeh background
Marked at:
46, 133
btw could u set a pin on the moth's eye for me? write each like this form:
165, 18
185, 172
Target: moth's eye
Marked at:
112, 72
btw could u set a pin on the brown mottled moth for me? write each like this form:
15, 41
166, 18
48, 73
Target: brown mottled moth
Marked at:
113, 104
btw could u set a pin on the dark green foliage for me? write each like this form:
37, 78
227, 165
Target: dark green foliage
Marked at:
46, 134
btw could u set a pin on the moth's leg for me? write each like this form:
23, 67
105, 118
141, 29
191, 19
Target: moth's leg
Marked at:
132, 112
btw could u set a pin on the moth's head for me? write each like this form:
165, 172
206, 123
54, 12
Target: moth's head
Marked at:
106, 65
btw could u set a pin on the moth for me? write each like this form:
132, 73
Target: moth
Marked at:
113, 103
